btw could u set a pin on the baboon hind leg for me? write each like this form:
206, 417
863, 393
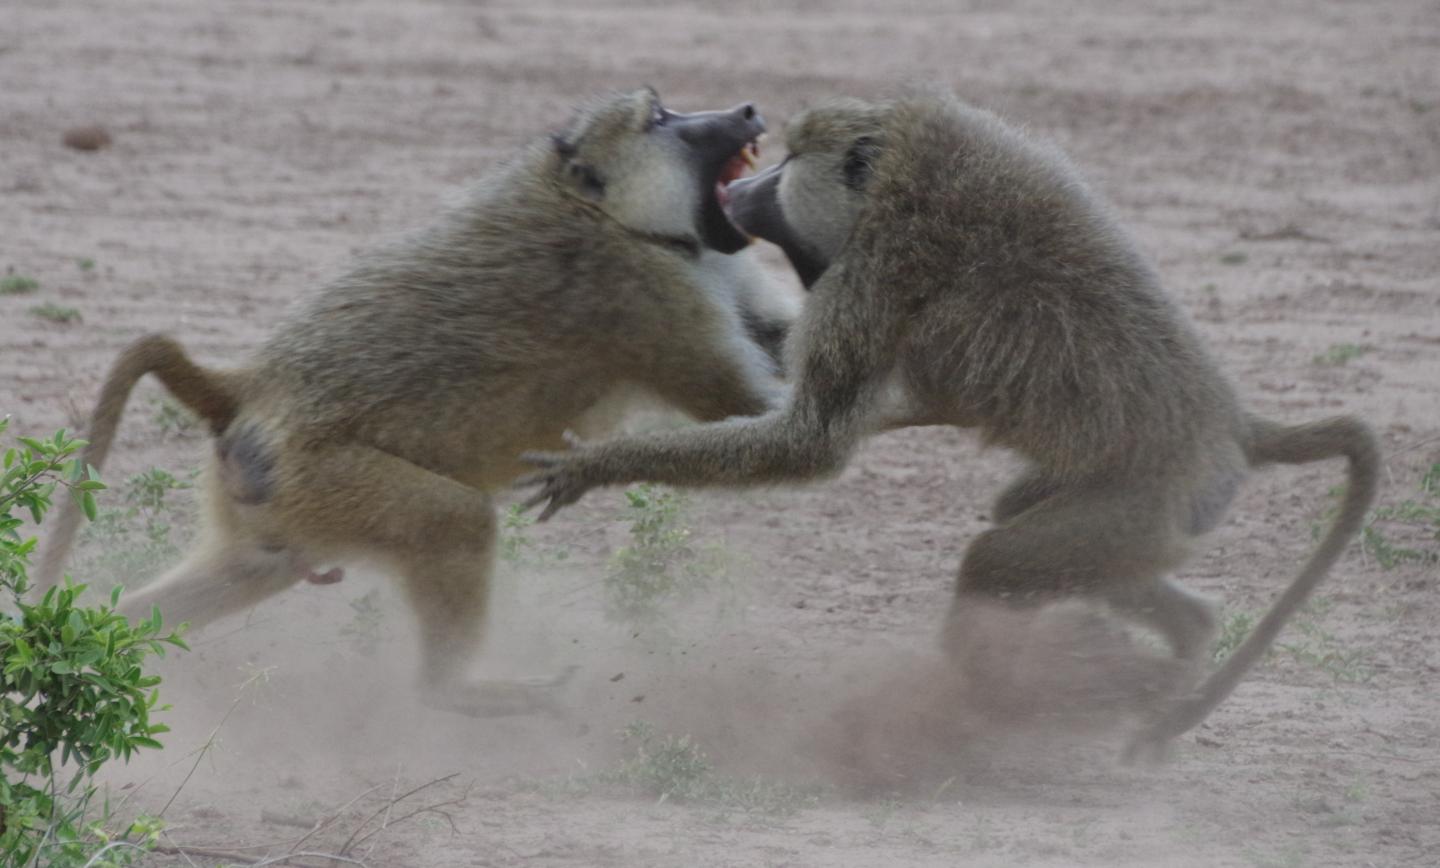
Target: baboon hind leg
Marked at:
1025, 491
438, 535
1078, 543
449, 592
212, 582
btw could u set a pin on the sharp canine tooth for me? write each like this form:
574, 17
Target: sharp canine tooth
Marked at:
749, 159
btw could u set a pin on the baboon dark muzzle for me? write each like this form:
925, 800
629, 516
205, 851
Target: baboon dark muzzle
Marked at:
753, 205
717, 137
724, 146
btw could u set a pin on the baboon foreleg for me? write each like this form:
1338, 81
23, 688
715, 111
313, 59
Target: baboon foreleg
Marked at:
832, 405
770, 448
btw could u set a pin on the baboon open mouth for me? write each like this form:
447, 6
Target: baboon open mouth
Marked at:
747, 158
717, 230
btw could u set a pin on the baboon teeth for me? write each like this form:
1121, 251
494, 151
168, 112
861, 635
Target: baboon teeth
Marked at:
751, 155
746, 158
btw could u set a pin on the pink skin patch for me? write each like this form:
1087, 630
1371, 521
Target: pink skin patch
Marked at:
329, 577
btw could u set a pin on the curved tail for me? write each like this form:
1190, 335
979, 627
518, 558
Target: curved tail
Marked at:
209, 394
1289, 444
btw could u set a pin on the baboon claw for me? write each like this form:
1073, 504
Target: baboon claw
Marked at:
556, 480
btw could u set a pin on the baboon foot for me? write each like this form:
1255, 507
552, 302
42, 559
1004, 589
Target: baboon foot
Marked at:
1151, 745
1148, 748
530, 695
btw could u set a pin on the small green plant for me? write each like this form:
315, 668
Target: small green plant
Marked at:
85, 263
667, 767
148, 495
366, 628
136, 541
518, 547
174, 418
1357, 793
1232, 633
1430, 482
1235, 258
1287, 858
675, 768
18, 284
661, 565
73, 691
1389, 555
55, 313
1339, 354
879, 814
1417, 521
1320, 649
514, 542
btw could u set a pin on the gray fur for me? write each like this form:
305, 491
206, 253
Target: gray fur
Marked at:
972, 279
378, 419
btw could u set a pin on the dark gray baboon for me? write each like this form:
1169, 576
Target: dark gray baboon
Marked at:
962, 274
375, 423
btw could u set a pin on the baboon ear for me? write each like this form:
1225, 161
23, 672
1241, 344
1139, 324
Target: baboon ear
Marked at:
859, 161
583, 176
586, 180
564, 147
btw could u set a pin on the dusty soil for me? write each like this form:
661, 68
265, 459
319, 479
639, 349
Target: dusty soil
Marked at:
1281, 162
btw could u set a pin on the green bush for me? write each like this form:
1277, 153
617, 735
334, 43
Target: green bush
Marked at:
73, 691
662, 565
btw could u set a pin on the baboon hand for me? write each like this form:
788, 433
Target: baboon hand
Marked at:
562, 478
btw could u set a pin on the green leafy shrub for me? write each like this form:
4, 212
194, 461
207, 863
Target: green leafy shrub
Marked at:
661, 565
73, 691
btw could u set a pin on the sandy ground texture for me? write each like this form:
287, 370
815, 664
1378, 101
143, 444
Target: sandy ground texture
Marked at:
1280, 161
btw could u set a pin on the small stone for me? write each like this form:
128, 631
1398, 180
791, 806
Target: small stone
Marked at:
87, 138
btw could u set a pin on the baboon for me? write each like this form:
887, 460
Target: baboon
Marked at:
962, 274
378, 420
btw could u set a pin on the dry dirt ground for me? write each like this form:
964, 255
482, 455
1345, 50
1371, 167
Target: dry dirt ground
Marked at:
1281, 162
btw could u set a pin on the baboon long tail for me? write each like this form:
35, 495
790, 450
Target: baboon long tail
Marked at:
1298, 444
210, 394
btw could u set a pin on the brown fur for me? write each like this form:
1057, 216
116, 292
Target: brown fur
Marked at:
376, 422
974, 280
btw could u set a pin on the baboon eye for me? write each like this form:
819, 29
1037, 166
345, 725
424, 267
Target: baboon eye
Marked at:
857, 162
658, 116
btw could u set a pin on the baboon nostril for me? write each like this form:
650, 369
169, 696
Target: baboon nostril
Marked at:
749, 111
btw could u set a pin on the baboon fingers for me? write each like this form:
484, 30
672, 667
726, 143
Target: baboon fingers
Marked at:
559, 484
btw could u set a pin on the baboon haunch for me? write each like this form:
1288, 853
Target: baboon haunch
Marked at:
377, 420
962, 274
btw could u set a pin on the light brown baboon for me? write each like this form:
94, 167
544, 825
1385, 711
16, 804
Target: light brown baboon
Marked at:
962, 274
376, 422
